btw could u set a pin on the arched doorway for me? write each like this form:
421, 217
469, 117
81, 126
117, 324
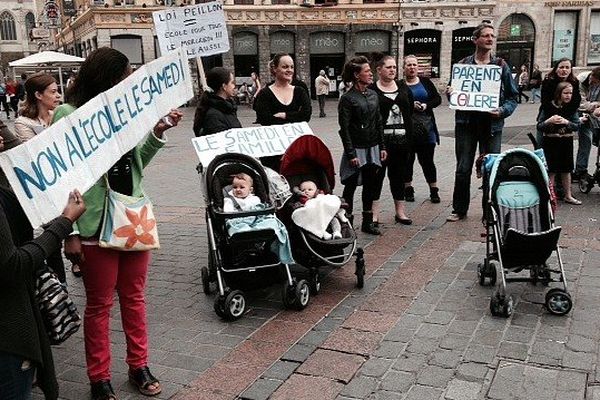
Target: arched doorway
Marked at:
327, 52
516, 40
424, 44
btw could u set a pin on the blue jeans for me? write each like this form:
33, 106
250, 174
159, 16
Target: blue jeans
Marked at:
16, 377
583, 148
536, 92
468, 138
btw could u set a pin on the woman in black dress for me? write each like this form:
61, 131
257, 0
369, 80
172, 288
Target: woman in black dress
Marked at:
559, 124
361, 131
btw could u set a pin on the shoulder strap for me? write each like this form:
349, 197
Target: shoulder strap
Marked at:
236, 205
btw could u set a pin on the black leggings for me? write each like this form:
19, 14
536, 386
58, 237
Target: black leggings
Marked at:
395, 164
424, 152
369, 182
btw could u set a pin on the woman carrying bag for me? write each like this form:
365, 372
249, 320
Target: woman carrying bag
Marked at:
107, 269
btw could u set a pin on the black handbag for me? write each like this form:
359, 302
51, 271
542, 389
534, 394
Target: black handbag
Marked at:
421, 127
58, 311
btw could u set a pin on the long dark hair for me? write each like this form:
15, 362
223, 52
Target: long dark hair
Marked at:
215, 79
36, 83
353, 67
101, 70
570, 78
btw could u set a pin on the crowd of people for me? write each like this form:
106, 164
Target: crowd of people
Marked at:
385, 124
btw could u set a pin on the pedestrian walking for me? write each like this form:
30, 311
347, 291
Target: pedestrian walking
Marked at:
426, 98
106, 270
11, 94
322, 90
255, 87
4, 99
535, 83
483, 128
395, 106
361, 132
216, 111
523, 83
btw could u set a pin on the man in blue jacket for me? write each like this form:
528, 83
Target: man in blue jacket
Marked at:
475, 129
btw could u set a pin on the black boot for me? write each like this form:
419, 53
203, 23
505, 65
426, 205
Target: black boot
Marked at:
434, 195
367, 224
409, 193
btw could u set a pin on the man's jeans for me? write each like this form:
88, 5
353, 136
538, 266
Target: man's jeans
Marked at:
16, 377
536, 92
467, 138
583, 148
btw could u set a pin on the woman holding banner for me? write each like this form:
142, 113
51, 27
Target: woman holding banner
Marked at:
24, 346
105, 270
281, 102
216, 111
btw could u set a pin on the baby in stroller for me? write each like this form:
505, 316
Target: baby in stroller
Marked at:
320, 209
240, 197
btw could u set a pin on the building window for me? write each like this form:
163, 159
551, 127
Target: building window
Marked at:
373, 1
243, 2
130, 45
8, 30
594, 46
516, 40
565, 35
424, 44
280, 2
29, 22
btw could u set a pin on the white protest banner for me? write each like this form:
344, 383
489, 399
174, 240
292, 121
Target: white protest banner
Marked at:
259, 141
475, 87
200, 27
76, 151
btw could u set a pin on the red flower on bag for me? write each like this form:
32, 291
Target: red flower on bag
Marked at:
139, 230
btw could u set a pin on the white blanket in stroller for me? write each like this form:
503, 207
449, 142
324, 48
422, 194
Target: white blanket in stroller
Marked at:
317, 213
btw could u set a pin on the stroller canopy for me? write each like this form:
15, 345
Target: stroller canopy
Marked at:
306, 155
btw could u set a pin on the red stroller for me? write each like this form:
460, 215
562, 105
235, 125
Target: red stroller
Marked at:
308, 158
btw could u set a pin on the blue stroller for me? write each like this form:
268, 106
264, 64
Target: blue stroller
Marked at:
520, 229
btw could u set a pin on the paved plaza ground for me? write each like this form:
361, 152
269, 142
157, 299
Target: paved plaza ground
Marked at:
420, 329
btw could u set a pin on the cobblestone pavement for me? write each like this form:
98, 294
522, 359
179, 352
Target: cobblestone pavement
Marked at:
420, 328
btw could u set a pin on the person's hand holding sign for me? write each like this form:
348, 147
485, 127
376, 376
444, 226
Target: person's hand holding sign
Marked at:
167, 122
496, 113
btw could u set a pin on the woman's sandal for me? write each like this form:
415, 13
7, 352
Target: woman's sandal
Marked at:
102, 391
573, 201
76, 271
143, 379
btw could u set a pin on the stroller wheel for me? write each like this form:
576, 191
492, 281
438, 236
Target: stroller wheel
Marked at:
501, 306
235, 305
486, 270
558, 301
360, 269
315, 283
586, 183
205, 280
297, 295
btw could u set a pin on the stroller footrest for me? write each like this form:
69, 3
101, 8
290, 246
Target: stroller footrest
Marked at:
520, 248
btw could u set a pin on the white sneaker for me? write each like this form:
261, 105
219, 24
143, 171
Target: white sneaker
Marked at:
327, 236
337, 235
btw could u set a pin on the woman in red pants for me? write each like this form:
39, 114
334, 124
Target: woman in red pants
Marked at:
106, 270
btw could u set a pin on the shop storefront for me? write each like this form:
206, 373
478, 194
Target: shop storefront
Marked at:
368, 42
564, 43
593, 57
462, 44
245, 53
516, 40
327, 52
425, 45
283, 42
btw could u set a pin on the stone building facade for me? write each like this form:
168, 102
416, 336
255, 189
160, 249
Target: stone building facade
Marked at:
323, 34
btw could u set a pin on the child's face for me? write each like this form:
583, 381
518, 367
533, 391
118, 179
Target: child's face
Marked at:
241, 188
309, 189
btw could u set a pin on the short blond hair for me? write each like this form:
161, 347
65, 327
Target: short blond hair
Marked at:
244, 177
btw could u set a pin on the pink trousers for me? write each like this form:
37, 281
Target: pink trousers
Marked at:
105, 270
